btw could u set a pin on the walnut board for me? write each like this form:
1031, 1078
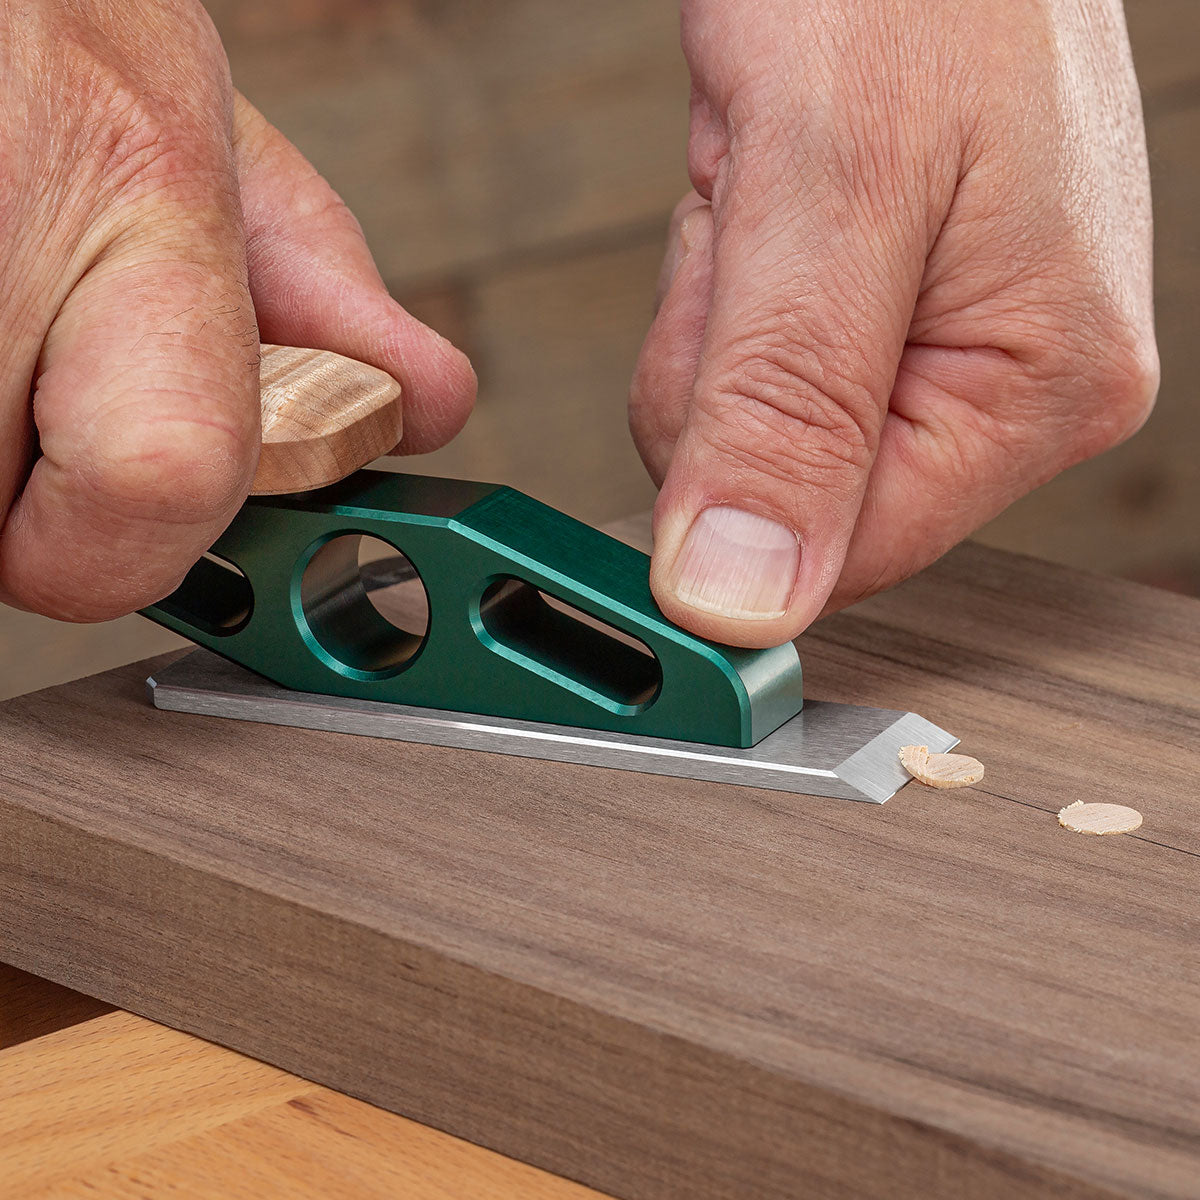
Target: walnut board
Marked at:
664, 988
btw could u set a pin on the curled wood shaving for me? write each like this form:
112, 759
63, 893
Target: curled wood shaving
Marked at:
940, 770
1099, 818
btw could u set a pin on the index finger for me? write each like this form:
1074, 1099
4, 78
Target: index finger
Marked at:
816, 267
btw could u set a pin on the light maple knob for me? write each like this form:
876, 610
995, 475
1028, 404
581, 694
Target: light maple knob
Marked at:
323, 417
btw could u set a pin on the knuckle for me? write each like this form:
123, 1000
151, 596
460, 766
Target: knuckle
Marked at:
138, 152
1113, 376
790, 463
182, 470
317, 212
317, 203
790, 414
83, 601
1129, 385
140, 136
708, 145
655, 429
314, 208
88, 585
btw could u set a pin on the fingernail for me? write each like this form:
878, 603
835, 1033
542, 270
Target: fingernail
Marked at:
737, 564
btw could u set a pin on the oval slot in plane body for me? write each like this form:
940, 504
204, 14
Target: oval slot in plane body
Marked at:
589, 657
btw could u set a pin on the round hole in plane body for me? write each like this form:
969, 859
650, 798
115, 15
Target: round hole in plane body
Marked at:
364, 605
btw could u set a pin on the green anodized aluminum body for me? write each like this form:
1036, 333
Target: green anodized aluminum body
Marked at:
488, 558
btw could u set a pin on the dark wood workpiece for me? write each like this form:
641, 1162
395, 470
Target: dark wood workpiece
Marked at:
666, 988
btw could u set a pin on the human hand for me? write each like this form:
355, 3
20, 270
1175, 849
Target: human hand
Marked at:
148, 216
914, 285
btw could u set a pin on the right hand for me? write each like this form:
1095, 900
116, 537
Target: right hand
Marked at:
154, 228
914, 283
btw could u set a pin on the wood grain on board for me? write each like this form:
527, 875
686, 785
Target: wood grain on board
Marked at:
120, 1107
665, 988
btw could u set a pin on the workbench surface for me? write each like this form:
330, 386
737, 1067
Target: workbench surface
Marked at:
105, 1104
659, 987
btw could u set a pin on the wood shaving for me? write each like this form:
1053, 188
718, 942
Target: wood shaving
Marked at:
1099, 818
940, 770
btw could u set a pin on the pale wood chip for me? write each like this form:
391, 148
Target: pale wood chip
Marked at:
1099, 818
940, 770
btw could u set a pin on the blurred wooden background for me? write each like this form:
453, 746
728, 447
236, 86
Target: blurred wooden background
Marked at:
514, 165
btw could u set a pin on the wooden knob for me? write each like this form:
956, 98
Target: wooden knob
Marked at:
323, 417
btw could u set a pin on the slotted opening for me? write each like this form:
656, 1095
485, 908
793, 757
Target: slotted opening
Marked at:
364, 603
214, 596
568, 646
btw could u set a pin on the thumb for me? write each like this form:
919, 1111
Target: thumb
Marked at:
813, 286
146, 405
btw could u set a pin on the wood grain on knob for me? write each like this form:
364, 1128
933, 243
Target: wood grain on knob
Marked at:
323, 417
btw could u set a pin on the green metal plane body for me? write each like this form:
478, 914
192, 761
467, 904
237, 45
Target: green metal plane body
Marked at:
532, 615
